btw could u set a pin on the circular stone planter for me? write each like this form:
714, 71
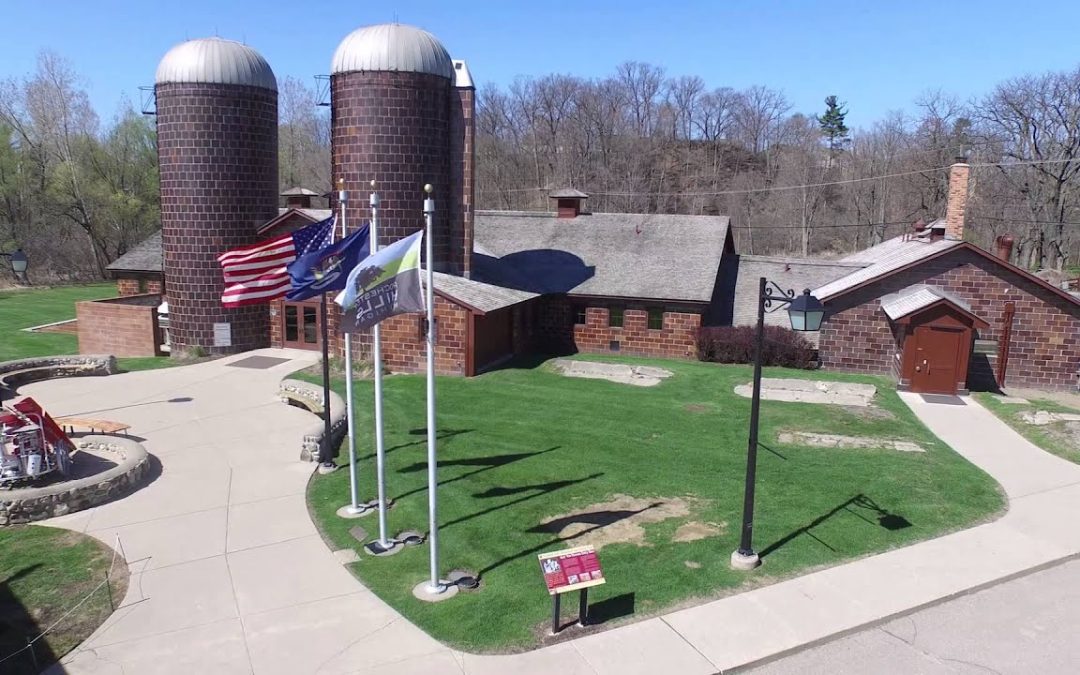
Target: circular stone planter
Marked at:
105, 468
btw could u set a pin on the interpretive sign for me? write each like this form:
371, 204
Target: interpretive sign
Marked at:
571, 569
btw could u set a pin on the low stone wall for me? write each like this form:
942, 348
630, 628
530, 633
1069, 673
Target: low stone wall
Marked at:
310, 397
14, 374
23, 505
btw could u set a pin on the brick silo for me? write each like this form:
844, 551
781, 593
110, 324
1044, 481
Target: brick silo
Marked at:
217, 126
392, 97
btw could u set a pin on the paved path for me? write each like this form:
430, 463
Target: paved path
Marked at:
230, 576
1028, 625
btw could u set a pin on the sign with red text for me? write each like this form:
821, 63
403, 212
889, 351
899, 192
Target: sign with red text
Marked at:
571, 569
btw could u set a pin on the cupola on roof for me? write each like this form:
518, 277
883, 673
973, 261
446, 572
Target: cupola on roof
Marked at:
215, 61
392, 47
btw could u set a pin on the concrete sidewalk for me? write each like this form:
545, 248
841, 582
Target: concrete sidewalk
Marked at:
230, 576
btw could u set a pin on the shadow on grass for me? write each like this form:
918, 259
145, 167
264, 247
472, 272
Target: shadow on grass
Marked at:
597, 520
537, 490
611, 608
441, 434
491, 463
17, 627
882, 518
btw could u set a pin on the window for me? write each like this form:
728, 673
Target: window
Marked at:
656, 318
142, 285
615, 317
579, 315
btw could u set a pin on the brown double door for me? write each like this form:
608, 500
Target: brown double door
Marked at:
301, 325
938, 357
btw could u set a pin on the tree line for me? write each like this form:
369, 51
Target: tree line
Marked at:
76, 193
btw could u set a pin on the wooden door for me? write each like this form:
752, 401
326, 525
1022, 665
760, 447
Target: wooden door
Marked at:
301, 325
937, 359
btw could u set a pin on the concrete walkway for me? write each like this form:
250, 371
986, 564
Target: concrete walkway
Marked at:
230, 576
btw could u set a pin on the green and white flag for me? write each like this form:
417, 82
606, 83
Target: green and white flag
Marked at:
382, 285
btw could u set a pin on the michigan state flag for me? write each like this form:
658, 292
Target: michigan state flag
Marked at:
384, 284
327, 268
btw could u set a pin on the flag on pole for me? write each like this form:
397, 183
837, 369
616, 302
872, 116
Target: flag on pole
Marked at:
385, 284
257, 273
327, 269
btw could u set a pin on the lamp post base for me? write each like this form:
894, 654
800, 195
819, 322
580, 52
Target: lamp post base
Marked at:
743, 561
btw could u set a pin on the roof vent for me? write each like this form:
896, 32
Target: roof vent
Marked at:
298, 197
569, 202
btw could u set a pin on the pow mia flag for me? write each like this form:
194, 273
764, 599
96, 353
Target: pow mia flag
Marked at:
384, 284
328, 268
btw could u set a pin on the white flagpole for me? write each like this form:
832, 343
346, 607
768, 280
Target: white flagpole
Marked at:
376, 338
354, 507
435, 585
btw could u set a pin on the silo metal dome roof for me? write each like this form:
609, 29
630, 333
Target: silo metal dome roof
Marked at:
215, 61
392, 47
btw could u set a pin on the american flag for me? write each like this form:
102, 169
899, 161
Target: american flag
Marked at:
257, 273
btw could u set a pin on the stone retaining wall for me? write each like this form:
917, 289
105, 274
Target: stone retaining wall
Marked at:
14, 374
310, 397
23, 505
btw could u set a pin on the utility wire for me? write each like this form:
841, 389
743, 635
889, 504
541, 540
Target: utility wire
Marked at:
781, 188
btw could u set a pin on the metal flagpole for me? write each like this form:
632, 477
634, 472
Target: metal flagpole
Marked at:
326, 464
376, 337
354, 507
435, 585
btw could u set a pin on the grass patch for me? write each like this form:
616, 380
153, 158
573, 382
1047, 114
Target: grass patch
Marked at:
522, 445
25, 308
44, 572
1056, 438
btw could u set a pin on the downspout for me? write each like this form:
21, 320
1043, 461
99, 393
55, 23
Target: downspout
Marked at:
1004, 343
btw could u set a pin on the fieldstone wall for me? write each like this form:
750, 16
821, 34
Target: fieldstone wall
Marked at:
27, 504
13, 374
310, 397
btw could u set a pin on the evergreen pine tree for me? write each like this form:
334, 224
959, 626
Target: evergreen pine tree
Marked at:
832, 125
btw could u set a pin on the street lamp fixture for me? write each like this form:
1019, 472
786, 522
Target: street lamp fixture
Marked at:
19, 263
805, 313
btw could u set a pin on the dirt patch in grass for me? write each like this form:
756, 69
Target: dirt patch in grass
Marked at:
692, 565
617, 521
871, 412
696, 408
694, 530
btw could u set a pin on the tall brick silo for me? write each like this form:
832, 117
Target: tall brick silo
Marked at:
392, 104
217, 126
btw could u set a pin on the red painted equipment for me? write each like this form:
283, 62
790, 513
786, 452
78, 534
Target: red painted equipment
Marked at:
31, 444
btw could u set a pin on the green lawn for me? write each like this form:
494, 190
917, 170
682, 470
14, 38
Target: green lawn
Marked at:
1054, 437
21, 309
44, 572
525, 444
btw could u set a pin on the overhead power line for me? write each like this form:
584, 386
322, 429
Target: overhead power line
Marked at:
782, 188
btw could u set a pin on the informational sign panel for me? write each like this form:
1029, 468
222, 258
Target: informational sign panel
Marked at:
223, 335
571, 569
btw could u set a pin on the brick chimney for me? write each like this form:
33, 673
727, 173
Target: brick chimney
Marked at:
957, 204
1004, 245
298, 198
569, 202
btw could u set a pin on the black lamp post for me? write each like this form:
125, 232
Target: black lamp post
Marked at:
805, 312
19, 263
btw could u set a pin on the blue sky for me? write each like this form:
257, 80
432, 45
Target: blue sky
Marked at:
875, 55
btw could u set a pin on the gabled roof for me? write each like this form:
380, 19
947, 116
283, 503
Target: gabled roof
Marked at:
143, 257
567, 193
913, 299
885, 258
313, 215
653, 256
299, 192
901, 253
476, 295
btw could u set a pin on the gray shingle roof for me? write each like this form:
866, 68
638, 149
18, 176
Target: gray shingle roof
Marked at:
913, 298
886, 257
567, 193
657, 256
479, 295
143, 257
789, 273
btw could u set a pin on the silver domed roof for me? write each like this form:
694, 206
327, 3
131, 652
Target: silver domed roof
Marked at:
215, 61
392, 47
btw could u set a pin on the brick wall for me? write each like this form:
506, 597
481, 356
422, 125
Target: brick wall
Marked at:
1045, 352
125, 326
394, 128
217, 150
137, 285
557, 333
462, 160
